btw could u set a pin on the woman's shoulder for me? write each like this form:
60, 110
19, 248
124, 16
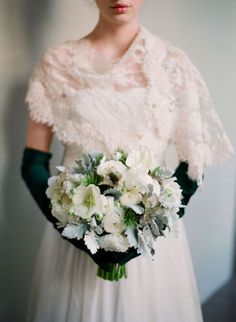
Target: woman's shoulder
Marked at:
58, 54
167, 52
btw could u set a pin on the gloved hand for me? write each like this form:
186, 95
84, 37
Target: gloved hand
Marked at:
35, 172
188, 185
120, 257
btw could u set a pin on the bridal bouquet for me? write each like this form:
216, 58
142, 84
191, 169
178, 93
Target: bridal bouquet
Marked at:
116, 203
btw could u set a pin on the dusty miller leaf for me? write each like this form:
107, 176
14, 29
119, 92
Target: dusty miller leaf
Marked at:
91, 241
131, 237
138, 209
74, 231
142, 245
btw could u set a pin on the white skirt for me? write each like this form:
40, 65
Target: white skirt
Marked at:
66, 288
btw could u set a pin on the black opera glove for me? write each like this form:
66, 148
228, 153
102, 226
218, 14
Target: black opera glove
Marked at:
187, 185
35, 173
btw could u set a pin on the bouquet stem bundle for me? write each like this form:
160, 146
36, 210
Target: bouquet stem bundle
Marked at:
118, 271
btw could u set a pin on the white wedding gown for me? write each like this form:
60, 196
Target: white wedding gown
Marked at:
142, 98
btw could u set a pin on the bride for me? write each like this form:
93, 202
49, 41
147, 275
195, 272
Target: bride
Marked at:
122, 86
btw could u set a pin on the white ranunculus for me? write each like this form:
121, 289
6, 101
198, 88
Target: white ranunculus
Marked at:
106, 168
87, 201
141, 158
108, 204
114, 242
113, 221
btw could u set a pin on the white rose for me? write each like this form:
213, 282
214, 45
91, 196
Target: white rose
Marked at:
113, 242
113, 221
87, 201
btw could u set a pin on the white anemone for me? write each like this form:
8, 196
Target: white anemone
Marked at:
106, 168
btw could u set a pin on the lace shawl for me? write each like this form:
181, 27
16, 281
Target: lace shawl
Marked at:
71, 79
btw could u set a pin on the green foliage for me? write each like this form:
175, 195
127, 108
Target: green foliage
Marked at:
88, 162
123, 155
160, 172
91, 178
130, 218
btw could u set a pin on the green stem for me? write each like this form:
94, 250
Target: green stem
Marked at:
118, 271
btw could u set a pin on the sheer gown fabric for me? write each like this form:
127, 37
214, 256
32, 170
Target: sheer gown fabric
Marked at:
152, 95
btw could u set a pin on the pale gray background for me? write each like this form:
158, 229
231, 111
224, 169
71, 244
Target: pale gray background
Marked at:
205, 29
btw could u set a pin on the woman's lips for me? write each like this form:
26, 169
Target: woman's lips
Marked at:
120, 8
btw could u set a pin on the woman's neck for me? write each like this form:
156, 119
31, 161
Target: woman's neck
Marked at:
107, 32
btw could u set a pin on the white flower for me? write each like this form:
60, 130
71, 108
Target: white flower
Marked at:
117, 155
75, 178
108, 204
138, 178
114, 242
113, 221
61, 187
110, 167
60, 213
151, 201
87, 201
54, 190
61, 168
171, 193
68, 187
141, 158
130, 198
156, 187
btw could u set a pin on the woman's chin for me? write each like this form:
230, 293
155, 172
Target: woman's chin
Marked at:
124, 18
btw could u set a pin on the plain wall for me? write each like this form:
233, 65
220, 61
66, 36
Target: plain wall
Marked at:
205, 30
